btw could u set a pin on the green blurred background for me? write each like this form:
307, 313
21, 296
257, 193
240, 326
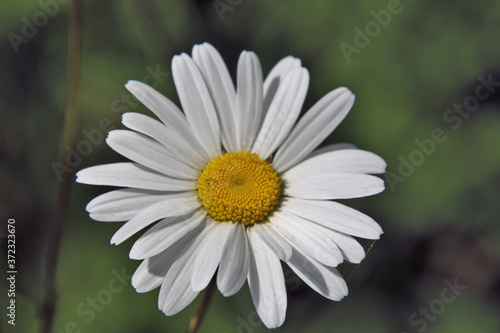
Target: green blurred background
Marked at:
440, 211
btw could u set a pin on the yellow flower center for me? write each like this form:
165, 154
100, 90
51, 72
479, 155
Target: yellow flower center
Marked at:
239, 187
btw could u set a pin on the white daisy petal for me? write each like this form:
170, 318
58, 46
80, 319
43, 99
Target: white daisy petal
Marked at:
123, 204
248, 110
351, 250
266, 282
151, 272
144, 280
275, 78
313, 128
175, 146
330, 148
197, 103
167, 112
145, 151
132, 175
333, 186
274, 240
176, 292
309, 238
339, 161
175, 205
209, 255
165, 233
233, 268
282, 113
326, 281
334, 215
221, 88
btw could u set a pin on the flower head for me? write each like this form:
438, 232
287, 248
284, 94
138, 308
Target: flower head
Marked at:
231, 186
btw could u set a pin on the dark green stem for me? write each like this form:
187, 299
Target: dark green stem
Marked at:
68, 138
196, 320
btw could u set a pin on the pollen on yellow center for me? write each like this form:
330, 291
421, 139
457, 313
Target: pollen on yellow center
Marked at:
239, 187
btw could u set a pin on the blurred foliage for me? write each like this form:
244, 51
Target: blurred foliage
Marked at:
441, 223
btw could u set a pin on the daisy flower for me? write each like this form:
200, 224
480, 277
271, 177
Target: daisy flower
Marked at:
232, 185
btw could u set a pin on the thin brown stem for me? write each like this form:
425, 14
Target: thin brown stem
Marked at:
195, 322
68, 137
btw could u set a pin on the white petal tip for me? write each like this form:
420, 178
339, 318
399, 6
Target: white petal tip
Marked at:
272, 323
130, 82
228, 293
297, 62
78, 178
377, 232
202, 45
344, 90
332, 262
95, 217
81, 175
116, 240
197, 286
136, 253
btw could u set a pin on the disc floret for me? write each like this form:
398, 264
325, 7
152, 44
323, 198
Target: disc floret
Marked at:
239, 187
